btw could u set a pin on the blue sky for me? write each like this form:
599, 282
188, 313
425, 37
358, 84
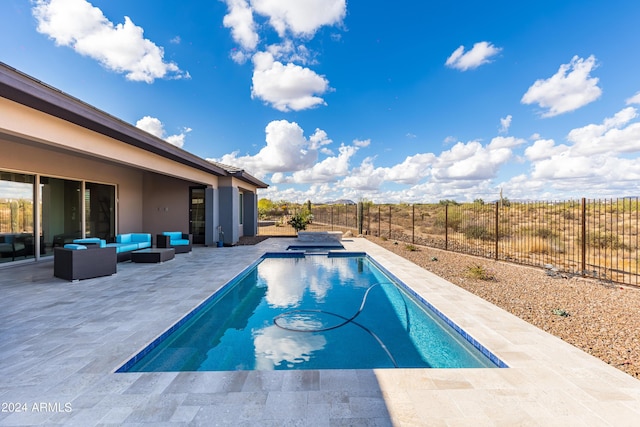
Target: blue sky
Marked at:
407, 101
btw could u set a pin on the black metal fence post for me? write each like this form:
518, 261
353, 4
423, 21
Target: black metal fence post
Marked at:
331, 210
446, 227
497, 230
583, 246
413, 224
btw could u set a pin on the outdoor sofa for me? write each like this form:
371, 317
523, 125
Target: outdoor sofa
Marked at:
124, 244
181, 242
76, 262
127, 243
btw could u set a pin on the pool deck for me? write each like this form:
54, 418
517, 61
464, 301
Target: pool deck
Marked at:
60, 343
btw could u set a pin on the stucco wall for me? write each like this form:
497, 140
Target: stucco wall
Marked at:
24, 158
166, 204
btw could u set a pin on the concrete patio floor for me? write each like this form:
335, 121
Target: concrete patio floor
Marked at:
61, 342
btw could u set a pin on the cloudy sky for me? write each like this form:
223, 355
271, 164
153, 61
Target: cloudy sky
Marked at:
410, 101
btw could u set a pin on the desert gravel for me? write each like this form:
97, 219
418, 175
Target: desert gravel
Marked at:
602, 319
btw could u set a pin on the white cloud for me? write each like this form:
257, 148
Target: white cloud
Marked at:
614, 135
319, 139
121, 48
278, 78
301, 17
288, 51
599, 157
286, 150
412, 170
593, 160
479, 54
240, 20
364, 177
472, 161
361, 143
286, 87
544, 149
327, 170
635, 99
505, 124
570, 88
505, 142
155, 127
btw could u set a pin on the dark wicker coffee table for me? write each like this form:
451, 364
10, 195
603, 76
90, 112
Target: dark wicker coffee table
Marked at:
153, 255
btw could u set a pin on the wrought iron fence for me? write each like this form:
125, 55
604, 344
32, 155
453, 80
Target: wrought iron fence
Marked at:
588, 237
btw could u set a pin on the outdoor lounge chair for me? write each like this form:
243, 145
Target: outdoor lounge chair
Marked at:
75, 262
177, 240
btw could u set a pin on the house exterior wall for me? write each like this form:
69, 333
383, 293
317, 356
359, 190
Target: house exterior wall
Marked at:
25, 158
28, 125
152, 180
229, 191
228, 202
166, 204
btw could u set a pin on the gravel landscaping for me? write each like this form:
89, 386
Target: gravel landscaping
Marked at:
602, 319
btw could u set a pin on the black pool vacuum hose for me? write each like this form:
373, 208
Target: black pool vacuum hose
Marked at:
346, 321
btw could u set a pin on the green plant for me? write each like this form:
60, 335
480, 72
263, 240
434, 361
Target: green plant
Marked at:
478, 232
560, 312
477, 271
299, 221
453, 219
411, 248
605, 240
545, 233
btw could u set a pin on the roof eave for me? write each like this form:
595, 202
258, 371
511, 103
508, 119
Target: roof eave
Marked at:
25, 90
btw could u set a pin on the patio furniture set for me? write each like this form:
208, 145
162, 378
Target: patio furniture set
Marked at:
94, 257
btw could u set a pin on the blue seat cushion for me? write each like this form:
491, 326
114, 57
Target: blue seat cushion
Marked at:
123, 247
173, 235
74, 246
179, 242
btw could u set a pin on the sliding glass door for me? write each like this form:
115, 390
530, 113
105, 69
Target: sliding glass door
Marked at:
100, 208
61, 211
16, 217
66, 210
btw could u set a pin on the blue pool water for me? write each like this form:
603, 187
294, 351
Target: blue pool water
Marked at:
311, 312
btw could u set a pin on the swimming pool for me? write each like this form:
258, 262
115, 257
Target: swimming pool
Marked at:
307, 311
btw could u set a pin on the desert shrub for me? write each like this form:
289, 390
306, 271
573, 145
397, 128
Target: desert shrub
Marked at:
300, 220
411, 248
545, 233
477, 271
453, 220
478, 232
603, 240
